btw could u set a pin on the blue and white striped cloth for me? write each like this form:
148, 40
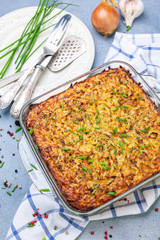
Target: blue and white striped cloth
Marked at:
142, 52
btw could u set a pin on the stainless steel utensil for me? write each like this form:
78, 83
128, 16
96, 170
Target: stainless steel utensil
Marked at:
71, 48
49, 49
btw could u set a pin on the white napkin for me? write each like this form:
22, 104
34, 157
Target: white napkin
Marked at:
142, 52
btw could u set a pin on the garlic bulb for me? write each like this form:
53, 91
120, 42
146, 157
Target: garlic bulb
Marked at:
130, 10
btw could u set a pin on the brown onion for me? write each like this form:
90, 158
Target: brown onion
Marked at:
105, 18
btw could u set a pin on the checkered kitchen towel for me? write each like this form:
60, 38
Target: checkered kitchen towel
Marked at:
142, 51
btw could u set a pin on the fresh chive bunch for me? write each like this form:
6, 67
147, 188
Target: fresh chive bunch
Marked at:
30, 34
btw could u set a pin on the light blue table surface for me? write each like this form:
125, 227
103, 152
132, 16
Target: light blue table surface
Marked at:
124, 228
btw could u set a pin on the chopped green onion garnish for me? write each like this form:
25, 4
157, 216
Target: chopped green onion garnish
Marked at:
112, 193
37, 147
79, 110
94, 191
125, 107
1, 164
68, 143
30, 170
124, 83
114, 166
139, 97
117, 108
115, 151
84, 168
115, 130
93, 101
140, 151
103, 105
145, 130
76, 140
91, 169
97, 128
71, 158
82, 157
121, 119
9, 193
33, 166
31, 225
123, 135
90, 160
18, 129
65, 149
80, 129
86, 131
51, 117
121, 144
131, 149
113, 144
67, 130
98, 121
75, 121
31, 131
46, 122
45, 190
81, 137
62, 106
100, 145
124, 95
113, 90
70, 111
123, 141
87, 116
14, 189
141, 146
127, 29
146, 145
102, 163
97, 111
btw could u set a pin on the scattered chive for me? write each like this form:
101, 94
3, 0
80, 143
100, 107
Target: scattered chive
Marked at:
117, 108
112, 193
70, 111
140, 151
31, 225
71, 158
51, 117
75, 121
93, 101
37, 147
81, 137
31, 131
103, 105
69, 143
98, 121
18, 129
124, 83
91, 169
30, 170
121, 119
87, 116
65, 149
46, 122
124, 95
62, 106
82, 157
80, 129
121, 144
84, 168
9, 193
113, 144
102, 163
114, 166
79, 110
139, 97
97, 128
106, 168
115, 151
146, 145
131, 149
1, 164
94, 191
2, 188
145, 130
90, 160
128, 27
125, 107
97, 111
33, 166
76, 140
100, 145
141, 146
113, 90
123, 141
115, 130
14, 189
96, 116
86, 131
44, 238
45, 190
67, 130
123, 135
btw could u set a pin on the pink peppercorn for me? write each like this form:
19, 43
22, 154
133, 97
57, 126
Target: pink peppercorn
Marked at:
92, 233
105, 237
111, 227
156, 209
106, 233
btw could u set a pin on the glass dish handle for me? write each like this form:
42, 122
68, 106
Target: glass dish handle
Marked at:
154, 83
32, 168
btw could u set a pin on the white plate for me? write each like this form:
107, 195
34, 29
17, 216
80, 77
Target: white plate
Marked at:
11, 27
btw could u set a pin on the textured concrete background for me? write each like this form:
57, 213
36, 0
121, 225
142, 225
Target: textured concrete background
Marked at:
124, 228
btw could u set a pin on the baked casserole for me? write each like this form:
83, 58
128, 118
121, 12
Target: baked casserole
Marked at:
99, 138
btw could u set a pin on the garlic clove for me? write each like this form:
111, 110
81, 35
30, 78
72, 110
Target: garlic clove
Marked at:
130, 10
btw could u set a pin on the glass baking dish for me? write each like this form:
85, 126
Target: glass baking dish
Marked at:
44, 172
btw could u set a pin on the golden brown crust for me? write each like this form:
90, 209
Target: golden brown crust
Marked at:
99, 136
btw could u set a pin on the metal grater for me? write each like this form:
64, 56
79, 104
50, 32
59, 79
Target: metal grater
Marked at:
71, 48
